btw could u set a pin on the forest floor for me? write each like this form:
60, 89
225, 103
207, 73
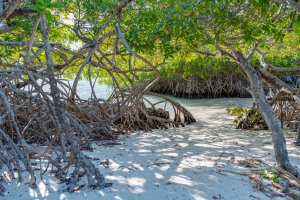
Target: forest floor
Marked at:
180, 164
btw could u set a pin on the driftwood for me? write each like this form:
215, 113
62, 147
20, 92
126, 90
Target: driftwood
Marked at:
282, 185
287, 175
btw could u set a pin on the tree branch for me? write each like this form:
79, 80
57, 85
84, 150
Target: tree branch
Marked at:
290, 3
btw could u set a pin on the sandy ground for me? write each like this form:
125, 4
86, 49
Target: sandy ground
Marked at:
184, 163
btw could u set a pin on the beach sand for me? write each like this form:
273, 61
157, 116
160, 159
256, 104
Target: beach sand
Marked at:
178, 163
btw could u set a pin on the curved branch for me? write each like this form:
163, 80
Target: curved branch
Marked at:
290, 3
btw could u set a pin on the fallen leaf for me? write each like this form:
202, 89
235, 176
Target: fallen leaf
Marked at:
294, 196
277, 186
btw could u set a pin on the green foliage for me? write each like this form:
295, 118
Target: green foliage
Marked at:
92, 7
297, 25
271, 175
168, 29
192, 65
238, 112
175, 29
247, 118
45, 6
168, 25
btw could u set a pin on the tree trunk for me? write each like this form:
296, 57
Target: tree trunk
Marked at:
95, 178
298, 135
269, 115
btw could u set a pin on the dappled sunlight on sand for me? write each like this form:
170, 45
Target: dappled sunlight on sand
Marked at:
183, 163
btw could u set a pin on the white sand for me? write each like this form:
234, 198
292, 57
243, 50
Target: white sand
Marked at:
181, 163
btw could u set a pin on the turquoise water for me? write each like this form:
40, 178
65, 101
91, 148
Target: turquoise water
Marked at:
84, 90
103, 91
193, 105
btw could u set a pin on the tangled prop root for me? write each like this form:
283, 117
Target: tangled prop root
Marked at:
31, 128
214, 86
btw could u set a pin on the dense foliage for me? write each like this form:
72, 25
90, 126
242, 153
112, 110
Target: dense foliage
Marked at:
165, 31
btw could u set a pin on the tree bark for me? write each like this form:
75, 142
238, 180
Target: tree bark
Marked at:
281, 154
298, 135
95, 178
291, 3
8, 8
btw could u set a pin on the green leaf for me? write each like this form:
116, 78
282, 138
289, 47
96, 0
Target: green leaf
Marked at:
48, 15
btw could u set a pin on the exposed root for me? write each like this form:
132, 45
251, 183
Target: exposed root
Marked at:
43, 117
213, 86
31, 128
286, 109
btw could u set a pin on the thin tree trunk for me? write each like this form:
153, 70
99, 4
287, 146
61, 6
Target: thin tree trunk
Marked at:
95, 178
298, 136
269, 115
54, 91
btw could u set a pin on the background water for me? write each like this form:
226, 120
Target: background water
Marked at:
84, 90
195, 106
104, 92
